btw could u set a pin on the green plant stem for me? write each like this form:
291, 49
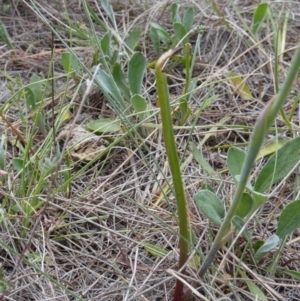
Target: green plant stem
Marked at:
263, 124
168, 133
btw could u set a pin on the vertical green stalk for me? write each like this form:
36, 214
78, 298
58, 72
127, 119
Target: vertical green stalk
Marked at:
168, 133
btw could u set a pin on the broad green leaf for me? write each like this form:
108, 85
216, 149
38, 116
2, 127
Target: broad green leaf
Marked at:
271, 148
239, 86
175, 12
155, 39
180, 32
18, 164
139, 103
270, 244
136, 71
104, 125
109, 85
162, 33
235, 161
259, 16
4, 36
211, 206
279, 165
289, 219
155, 250
198, 156
293, 274
188, 18
133, 38
105, 44
120, 80
253, 288
109, 11
244, 206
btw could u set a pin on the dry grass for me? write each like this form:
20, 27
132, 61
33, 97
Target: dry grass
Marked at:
91, 240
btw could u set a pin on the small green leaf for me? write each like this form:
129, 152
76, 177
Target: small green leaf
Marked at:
253, 288
211, 206
244, 206
239, 223
259, 16
104, 125
270, 244
155, 250
120, 80
71, 63
180, 32
133, 38
279, 165
188, 18
105, 44
289, 219
175, 13
109, 85
235, 161
271, 148
139, 103
4, 36
162, 33
136, 71
155, 39
109, 11
2, 153
18, 164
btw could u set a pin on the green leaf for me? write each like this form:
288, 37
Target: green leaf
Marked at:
109, 85
136, 70
4, 36
198, 156
271, 147
235, 161
180, 32
139, 103
155, 39
210, 205
105, 44
279, 165
293, 274
104, 125
120, 80
289, 219
162, 33
133, 38
185, 111
109, 11
244, 206
253, 288
239, 223
270, 244
155, 250
175, 12
188, 18
18, 164
70, 63
259, 16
